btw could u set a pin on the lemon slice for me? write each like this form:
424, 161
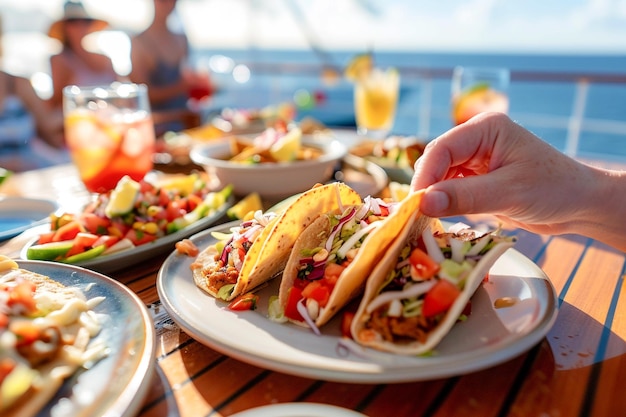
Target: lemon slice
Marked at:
399, 191
123, 197
286, 148
184, 184
359, 66
249, 204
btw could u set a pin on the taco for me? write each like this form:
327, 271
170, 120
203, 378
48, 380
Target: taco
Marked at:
258, 249
424, 285
332, 258
46, 330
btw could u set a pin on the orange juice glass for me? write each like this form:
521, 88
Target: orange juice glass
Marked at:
109, 133
478, 90
375, 102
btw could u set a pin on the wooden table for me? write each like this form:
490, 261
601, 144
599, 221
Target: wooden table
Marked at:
578, 369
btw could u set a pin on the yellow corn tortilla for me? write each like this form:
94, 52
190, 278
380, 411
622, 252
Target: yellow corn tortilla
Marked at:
378, 278
269, 253
352, 280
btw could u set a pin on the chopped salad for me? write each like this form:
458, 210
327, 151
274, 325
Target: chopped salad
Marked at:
133, 214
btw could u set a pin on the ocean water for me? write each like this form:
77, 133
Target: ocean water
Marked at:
543, 107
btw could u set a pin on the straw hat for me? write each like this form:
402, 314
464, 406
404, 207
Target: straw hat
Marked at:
74, 10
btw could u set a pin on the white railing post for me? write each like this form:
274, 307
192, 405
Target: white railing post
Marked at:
576, 120
426, 102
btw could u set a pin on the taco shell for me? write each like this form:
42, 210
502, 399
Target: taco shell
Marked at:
378, 279
269, 252
352, 280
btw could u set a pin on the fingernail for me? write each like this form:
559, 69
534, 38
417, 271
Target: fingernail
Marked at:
436, 201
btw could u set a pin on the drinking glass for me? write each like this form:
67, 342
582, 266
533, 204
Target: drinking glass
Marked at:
477, 90
109, 132
375, 102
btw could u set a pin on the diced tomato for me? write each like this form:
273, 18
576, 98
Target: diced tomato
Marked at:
175, 210
187, 247
118, 229
332, 273
317, 291
246, 301
146, 187
23, 294
82, 242
424, 266
94, 223
346, 322
384, 211
106, 240
439, 298
192, 201
68, 231
139, 237
26, 332
291, 309
164, 198
46, 238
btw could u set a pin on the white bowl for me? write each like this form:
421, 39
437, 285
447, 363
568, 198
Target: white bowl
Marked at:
273, 181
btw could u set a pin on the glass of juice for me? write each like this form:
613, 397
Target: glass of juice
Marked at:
375, 102
477, 90
109, 132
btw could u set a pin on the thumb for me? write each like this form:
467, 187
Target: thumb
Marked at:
469, 195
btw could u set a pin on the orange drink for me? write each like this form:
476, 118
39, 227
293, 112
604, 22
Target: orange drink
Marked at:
109, 133
375, 101
478, 90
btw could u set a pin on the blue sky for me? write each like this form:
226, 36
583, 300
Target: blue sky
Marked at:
586, 26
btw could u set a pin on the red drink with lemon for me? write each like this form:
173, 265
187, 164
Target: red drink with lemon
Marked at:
109, 132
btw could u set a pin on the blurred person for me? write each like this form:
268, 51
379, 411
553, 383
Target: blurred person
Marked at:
159, 59
491, 164
75, 65
24, 115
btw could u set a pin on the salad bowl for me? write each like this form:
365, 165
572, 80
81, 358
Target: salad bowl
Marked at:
272, 181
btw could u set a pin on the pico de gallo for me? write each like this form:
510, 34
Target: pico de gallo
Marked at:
131, 215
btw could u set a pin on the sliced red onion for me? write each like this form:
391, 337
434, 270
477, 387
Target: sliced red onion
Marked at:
301, 307
411, 292
225, 251
347, 346
345, 219
315, 274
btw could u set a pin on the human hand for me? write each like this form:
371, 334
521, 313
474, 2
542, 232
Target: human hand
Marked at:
490, 164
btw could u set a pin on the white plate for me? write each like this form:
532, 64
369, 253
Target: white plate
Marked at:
490, 336
117, 384
124, 259
18, 214
298, 410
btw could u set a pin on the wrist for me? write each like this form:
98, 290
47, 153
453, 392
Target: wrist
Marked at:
604, 199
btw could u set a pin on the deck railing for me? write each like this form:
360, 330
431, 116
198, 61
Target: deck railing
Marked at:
573, 124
